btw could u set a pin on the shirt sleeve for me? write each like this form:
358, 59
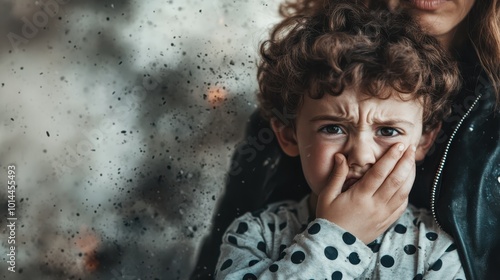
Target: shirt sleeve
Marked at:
322, 250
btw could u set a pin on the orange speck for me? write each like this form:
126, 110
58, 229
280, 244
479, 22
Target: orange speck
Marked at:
216, 96
87, 242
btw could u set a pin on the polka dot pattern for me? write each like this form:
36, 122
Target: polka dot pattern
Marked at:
226, 264
272, 227
273, 268
432, 236
314, 229
400, 229
339, 256
242, 228
416, 222
348, 238
261, 246
249, 276
282, 247
298, 257
410, 249
418, 277
232, 240
282, 226
451, 247
337, 275
354, 258
331, 253
387, 261
374, 246
282, 254
437, 265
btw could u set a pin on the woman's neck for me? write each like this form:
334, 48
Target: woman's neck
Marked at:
453, 39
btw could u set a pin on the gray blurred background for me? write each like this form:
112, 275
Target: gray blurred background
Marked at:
121, 117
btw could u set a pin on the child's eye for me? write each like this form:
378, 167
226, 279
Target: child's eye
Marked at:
332, 129
388, 132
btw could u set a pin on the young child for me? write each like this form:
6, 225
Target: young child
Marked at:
359, 85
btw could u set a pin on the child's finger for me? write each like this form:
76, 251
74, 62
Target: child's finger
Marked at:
377, 174
402, 193
399, 180
336, 180
396, 213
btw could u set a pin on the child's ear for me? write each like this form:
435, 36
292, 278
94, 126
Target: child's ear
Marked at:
426, 142
286, 137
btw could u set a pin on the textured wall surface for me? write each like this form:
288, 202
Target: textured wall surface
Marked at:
120, 118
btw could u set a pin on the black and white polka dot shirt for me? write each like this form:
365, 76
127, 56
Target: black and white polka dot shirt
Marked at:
280, 242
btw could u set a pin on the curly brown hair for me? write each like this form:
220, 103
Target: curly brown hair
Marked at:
347, 45
482, 24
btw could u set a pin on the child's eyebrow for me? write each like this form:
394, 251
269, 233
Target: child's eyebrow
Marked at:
329, 118
388, 122
391, 122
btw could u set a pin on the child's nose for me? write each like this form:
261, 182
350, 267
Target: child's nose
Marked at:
360, 154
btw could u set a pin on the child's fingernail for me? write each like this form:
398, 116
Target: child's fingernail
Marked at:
401, 147
413, 148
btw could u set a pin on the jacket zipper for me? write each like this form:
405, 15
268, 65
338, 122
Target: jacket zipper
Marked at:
443, 160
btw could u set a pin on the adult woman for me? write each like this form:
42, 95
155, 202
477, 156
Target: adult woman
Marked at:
459, 181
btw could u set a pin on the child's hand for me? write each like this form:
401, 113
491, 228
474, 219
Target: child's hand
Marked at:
373, 203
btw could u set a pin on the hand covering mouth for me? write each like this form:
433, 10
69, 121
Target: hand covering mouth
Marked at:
348, 183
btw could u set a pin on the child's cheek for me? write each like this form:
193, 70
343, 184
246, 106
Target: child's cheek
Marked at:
317, 163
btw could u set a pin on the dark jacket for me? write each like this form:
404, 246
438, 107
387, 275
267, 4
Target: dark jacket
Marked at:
463, 173
459, 180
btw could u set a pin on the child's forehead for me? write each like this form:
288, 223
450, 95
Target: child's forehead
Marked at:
351, 100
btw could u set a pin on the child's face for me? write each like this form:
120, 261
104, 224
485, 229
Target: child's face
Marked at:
356, 125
